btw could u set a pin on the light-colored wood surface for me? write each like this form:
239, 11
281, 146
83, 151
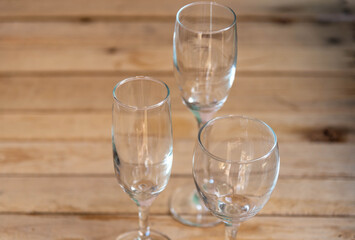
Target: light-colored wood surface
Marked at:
109, 58
94, 126
102, 195
59, 61
157, 9
136, 46
105, 227
316, 160
249, 93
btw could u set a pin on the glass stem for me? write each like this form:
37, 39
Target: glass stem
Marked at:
202, 118
143, 212
200, 123
231, 231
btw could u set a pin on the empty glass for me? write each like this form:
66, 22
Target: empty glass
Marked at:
235, 167
205, 56
142, 145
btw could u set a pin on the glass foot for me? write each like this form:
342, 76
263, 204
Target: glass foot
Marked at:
133, 235
187, 207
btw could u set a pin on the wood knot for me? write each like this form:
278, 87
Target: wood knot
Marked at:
334, 41
329, 134
282, 20
85, 20
111, 50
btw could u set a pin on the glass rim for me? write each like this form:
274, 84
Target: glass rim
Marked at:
137, 78
233, 160
206, 3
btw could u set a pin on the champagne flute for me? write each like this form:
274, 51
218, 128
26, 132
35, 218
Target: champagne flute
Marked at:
205, 56
142, 145
235, 166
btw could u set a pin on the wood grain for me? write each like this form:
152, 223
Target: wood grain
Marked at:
311, 197
60, 59
303, 9
106, 227
261, 93
24, 58
310, 160
93, 126
131, 34
139, 47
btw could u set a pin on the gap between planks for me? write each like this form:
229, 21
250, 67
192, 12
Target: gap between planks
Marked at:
282, 19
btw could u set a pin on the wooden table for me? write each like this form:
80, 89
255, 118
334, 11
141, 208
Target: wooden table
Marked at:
59, 61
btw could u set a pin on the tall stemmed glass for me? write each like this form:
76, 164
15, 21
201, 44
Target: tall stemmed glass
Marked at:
205, 56
142, 145
235, 167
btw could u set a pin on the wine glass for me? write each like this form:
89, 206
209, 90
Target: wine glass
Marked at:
142, 145
205, 56
235, 167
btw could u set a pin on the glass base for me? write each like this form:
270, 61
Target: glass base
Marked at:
187, 208
134, 235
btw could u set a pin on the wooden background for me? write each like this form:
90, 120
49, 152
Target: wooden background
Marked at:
59, 61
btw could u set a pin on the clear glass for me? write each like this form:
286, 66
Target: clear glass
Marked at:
142, 145
205, 57
235, 166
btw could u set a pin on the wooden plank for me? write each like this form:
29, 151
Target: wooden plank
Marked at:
66, 158
91, 126
108, 227
56, 158
157, 55
127, 33
92, 58
311, 197
130, 46
130, 34
261, 93
158, 8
